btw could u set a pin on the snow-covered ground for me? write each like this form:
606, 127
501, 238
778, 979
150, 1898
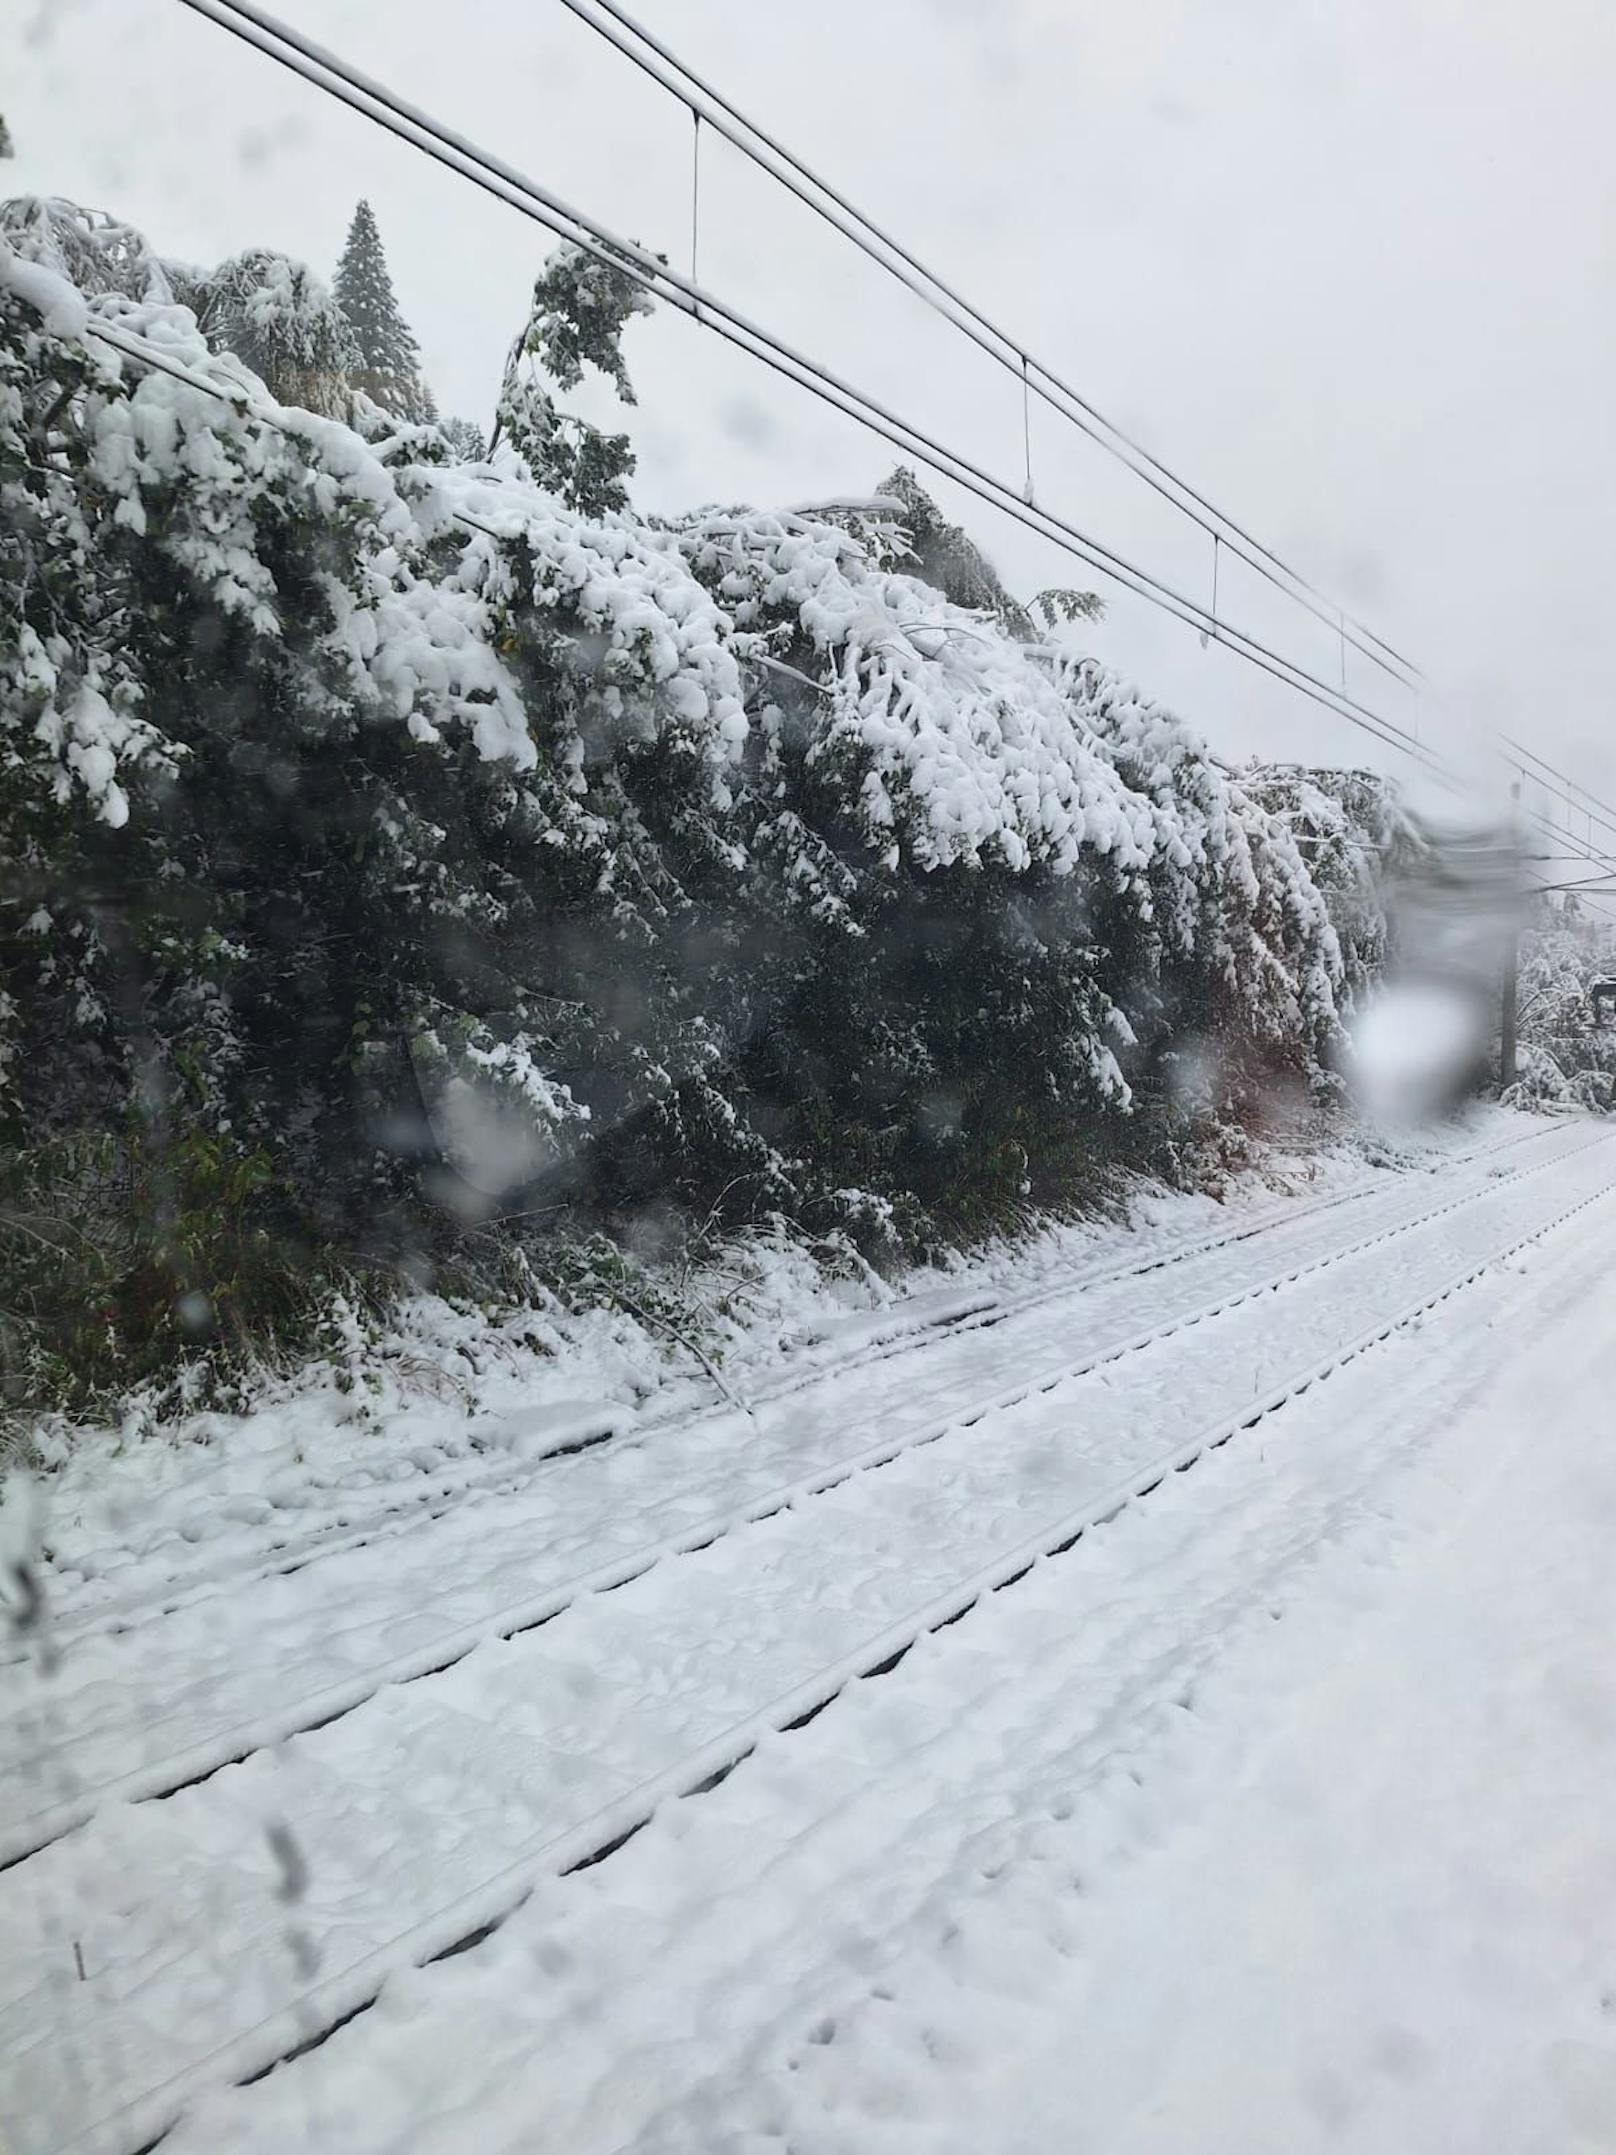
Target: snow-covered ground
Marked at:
1115, 1861
450, 1403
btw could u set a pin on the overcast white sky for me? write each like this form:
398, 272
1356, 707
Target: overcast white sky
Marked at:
1346, 264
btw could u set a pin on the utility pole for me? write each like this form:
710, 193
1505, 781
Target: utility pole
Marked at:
1512, 953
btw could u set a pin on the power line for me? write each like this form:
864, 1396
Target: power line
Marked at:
1578, 848
1587, 806
770, 155
1589, 850
652, 274
240, 400
636, 43
136, 348
256, 27
1583, 847
362, 93
1580, 851
1600, 882
1520, 749
747, 336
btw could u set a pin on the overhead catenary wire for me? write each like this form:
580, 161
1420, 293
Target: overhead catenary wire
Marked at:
1604, 869
133, 347
1590, 806
655, 58
1603, 882
240, 399
680, 80
1604, 862
1580, 848
624, 255
326, 71
1575, 849
237, 397
1524, 754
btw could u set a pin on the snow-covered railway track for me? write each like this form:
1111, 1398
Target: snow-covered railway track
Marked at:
911, 1906
368, 1515
420, 1820
138, 1719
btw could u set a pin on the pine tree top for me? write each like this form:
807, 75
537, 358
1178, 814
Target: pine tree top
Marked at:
364, 291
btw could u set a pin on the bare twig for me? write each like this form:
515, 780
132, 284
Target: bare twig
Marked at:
690, 1346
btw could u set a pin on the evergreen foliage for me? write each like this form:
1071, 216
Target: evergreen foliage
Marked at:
946, 556
580, 309
389, 360
415, 867
465, 440
279, 320
1564, 1056
94, 252
1360, 842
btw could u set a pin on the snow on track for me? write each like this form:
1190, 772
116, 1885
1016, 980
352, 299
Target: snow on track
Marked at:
138, 1714
1124, 1862
219, 1537
429, 1810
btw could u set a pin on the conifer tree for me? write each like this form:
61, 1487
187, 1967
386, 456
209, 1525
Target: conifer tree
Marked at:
389, 358
465, 440
5, 138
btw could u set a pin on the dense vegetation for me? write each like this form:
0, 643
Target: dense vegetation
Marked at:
422, 868
1567, 1053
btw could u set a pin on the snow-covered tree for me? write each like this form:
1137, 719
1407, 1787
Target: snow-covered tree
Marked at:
389, 365
1360, 843
945, 555
282, 322
1566, 1053
94, 252
464, 439
580, 309
1235, 963
398, 854
5, 138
